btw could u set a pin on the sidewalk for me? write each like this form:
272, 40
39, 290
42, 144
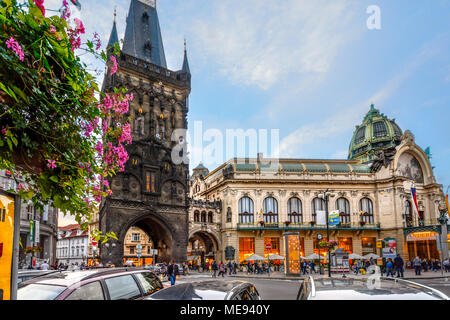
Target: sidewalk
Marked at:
408, 275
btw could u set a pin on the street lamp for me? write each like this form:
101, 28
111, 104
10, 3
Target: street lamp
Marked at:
326, 196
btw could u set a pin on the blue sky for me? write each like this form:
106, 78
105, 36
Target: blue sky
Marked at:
308, 68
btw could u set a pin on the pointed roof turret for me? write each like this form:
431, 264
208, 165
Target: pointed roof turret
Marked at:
185, 68
143, 38
113, 38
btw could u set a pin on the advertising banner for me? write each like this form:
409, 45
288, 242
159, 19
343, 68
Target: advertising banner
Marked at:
321, 218
6, 245
333, 218
391, 249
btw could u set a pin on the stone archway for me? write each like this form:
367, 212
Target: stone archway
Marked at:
168, 238
203, 245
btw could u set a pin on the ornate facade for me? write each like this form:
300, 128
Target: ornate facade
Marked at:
263, 198
152, 191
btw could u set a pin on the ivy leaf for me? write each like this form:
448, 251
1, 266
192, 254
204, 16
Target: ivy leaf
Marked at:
54, 179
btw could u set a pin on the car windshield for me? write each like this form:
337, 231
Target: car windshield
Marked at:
36, 291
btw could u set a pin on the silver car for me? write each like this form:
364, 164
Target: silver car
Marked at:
373, 288
208, 290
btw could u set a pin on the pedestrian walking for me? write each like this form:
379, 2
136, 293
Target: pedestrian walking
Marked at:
234, 267
230, 267
312, 267
214, 268
398, 265
45, 265
389, 268
446, 265
172, 271
417, 263
221, 269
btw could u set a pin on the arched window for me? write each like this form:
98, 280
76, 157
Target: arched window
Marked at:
366, 210
196, 216
408, 213
245, 210
343, 205
317, 205
229, 214
360, 135
379, 129
270, 208
295, 212
203, 216
210, 217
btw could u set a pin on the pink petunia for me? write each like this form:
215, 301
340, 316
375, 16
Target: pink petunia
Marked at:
51, 164
114, 65
40, 5
15, 46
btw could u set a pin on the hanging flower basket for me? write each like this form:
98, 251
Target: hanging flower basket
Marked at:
287, 223
331, 245
362, 223
262, 223
33, 249
313, 223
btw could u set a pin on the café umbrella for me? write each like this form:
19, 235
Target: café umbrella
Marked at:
371, 256
255, 257
355, 256
275, 257
314, 256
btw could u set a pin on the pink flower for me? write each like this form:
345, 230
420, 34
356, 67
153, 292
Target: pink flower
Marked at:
40, 5
126, 134
51, 164
65, 11
114, 64
79, 26
15, 46
97, 41
52, 28
21, 187
106, 183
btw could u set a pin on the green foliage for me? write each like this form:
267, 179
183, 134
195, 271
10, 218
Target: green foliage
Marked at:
45, 102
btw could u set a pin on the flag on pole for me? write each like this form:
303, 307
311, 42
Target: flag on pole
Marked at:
76, 3
414, 195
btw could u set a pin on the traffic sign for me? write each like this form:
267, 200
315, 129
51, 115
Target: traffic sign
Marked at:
268, 246
94, 242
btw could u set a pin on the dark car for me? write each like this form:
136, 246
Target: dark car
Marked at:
366, 289
208, 290
100, 284
24, 275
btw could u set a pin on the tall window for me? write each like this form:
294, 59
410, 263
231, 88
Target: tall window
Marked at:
150, 182
135, 237
408, 213
366, 209
203, 216
245, 210
343, 205
229, 214
196, 216
210, 217
295, 210
317, 205
360, 135
379, 129
270, 208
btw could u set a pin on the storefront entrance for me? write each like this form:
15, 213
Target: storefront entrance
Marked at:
422, 245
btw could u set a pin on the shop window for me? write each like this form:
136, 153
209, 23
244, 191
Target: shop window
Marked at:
346, 244
368, 245
246, 248
274, 244
320, 251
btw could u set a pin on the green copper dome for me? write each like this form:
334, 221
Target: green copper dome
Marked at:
375, 133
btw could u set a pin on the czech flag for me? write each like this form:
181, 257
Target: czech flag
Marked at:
76, 3
448, 206
414, 195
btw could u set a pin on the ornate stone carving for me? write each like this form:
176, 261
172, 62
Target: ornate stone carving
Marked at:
383, 158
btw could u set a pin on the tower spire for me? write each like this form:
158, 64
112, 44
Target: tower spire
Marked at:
185, 68
113, 38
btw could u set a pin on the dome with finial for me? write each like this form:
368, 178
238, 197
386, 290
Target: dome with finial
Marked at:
377, 132
200, 170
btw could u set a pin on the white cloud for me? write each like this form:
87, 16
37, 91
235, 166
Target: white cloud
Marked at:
262, 42
320, 132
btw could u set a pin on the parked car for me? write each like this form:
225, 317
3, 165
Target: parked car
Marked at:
208, 290
24, 275
366, 289
99, 284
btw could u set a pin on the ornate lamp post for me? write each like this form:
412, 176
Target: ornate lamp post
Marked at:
326, 196
444, 231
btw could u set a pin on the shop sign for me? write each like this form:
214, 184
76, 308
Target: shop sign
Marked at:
421, 236
6, 245
379, 244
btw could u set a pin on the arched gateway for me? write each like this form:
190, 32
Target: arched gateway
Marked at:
152, 191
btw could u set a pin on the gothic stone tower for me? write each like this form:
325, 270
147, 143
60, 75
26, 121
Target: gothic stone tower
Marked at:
152, 191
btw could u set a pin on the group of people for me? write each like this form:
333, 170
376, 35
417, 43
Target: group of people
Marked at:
424, 265
308, 268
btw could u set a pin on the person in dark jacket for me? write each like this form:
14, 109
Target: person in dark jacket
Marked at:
214, 268
399, 264
172, 272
